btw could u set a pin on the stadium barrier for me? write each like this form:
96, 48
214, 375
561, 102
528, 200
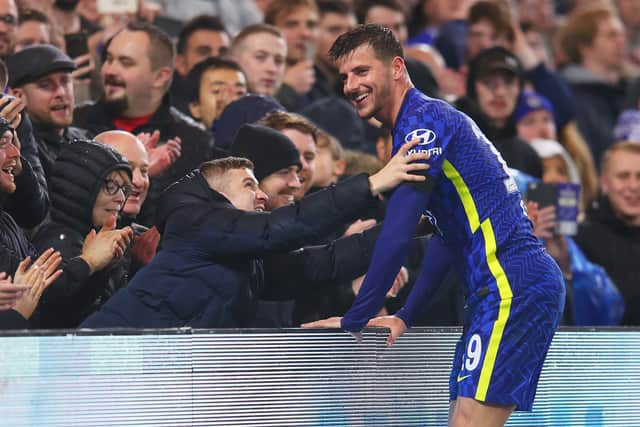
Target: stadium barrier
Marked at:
292, 377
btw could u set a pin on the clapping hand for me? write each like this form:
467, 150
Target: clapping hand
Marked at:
101, 248
10, 293
48, 263
163, 156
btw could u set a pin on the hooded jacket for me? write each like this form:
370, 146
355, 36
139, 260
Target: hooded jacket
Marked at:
210, 271
78, 176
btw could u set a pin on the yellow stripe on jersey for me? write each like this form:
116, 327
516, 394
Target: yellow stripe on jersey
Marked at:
464, 194
504, 288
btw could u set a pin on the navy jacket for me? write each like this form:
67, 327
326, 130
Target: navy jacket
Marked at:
209, 271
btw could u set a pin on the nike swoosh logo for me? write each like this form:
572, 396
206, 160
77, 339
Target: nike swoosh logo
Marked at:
463, 378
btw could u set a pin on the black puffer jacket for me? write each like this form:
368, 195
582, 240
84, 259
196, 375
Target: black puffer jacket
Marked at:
14, 246
50, 142
29, 204
196, 144
609, 242
209, 271
77, 178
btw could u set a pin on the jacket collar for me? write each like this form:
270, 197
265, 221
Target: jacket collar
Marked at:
601, 211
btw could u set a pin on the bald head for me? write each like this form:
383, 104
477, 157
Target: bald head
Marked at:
134, 151
118, 139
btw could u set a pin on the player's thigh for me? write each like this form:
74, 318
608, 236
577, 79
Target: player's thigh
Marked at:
467, 412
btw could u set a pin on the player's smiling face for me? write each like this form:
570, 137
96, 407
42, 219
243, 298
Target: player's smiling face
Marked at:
366, 81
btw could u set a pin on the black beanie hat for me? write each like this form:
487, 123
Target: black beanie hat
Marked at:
77, 177
268, 149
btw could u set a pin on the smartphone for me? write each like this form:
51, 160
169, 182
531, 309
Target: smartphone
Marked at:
310, 52
4, 95
116, 7
76, 44
138, 229
543, 193
565, 197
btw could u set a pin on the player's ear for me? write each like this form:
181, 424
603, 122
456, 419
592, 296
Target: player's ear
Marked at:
398, 68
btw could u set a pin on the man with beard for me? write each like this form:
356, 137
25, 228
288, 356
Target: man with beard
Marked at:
40, 76
303, 134
137, 69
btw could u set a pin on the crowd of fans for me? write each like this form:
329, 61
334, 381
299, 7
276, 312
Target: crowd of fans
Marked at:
196, 163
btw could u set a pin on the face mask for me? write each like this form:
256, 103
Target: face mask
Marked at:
66, 5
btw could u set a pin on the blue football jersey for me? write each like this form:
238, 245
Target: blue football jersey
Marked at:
475, 203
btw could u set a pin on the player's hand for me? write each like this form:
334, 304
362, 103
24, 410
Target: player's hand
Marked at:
329, 322
395, 324
399, 169
333, 323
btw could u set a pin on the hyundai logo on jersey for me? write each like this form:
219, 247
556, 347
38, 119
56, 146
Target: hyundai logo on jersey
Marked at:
426, 136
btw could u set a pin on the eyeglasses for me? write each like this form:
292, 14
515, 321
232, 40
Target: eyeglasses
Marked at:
9, 19
111, 187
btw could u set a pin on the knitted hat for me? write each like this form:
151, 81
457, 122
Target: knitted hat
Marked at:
247, 109
337, 117
77, 177
627, 127
37, 61
268, 149
530, 102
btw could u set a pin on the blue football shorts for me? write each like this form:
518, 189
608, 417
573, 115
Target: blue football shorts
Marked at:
504, 343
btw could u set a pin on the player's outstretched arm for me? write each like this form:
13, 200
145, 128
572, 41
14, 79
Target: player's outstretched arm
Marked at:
403, 212
435, 265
